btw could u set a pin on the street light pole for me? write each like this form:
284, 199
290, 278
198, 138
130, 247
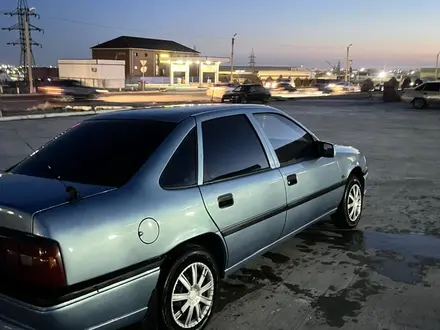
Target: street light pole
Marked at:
232, 56
28, 50
436, 67
348, 62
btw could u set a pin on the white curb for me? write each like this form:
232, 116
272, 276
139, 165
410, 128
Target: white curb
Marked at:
61, 114
88, 110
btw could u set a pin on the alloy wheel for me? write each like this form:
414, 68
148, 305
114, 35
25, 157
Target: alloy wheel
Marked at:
192, 295
354, 203
419, 103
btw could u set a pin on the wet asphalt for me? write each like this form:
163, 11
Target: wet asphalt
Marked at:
385, 275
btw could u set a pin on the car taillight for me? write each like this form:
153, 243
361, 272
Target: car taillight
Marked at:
33, 261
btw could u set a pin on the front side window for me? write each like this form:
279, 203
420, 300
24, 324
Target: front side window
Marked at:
420, 88
231, 148
97, 152
241, 89
290, 142
181, 170
432, 87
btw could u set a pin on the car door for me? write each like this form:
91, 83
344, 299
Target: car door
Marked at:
252, 94
313, 184
242, 190
431, 92
263, 94
80, 89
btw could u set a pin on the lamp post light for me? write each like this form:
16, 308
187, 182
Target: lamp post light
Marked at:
436, 67
232, 56
348, 62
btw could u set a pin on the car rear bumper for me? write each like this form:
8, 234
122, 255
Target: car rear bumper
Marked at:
112, 307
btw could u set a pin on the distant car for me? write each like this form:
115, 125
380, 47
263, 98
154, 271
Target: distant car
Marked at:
246, 94
71, 89
135, 214
341, 86
379, 87
273, 85
423, 95
218, 90
284, 87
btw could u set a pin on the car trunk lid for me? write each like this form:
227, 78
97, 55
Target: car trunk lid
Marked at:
21, 196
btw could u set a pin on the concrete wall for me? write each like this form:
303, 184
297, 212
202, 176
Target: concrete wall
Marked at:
113, 54
95, 73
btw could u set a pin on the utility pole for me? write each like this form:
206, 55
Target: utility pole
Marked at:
23, 13
348, 62
436, 67
232, 57
27, 38
252, 59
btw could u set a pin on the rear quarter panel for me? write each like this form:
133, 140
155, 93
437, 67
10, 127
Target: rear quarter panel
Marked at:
99, 235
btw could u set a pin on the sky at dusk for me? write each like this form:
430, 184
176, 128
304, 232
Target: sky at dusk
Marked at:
281, 32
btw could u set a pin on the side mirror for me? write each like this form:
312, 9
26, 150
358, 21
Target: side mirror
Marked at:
325, 149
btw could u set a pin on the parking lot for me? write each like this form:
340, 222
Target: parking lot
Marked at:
385, 275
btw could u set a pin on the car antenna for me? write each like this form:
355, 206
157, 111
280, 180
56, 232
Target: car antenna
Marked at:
73, 193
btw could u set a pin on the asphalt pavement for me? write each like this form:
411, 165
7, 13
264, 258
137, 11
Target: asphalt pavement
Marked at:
20, 103
384, 275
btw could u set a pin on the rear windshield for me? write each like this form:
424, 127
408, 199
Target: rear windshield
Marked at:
99, 152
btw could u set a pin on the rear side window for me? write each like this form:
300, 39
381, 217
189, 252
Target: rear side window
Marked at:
181, 170
98, 152
231, 148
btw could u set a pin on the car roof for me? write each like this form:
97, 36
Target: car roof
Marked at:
176, 113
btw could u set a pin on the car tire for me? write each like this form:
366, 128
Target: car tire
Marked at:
93, 96
195, 261
223, 101
419, 103
264, 101
349, 211
244, 100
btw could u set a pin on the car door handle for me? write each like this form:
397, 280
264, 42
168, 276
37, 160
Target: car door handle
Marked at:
225, 201
292, 179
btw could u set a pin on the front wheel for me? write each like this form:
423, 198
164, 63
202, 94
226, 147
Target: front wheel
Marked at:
189, 290
244, 100
419, 103
349, 211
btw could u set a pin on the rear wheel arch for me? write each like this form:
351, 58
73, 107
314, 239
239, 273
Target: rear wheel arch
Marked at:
210, 242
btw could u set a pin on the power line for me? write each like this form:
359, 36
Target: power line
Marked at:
114, 27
